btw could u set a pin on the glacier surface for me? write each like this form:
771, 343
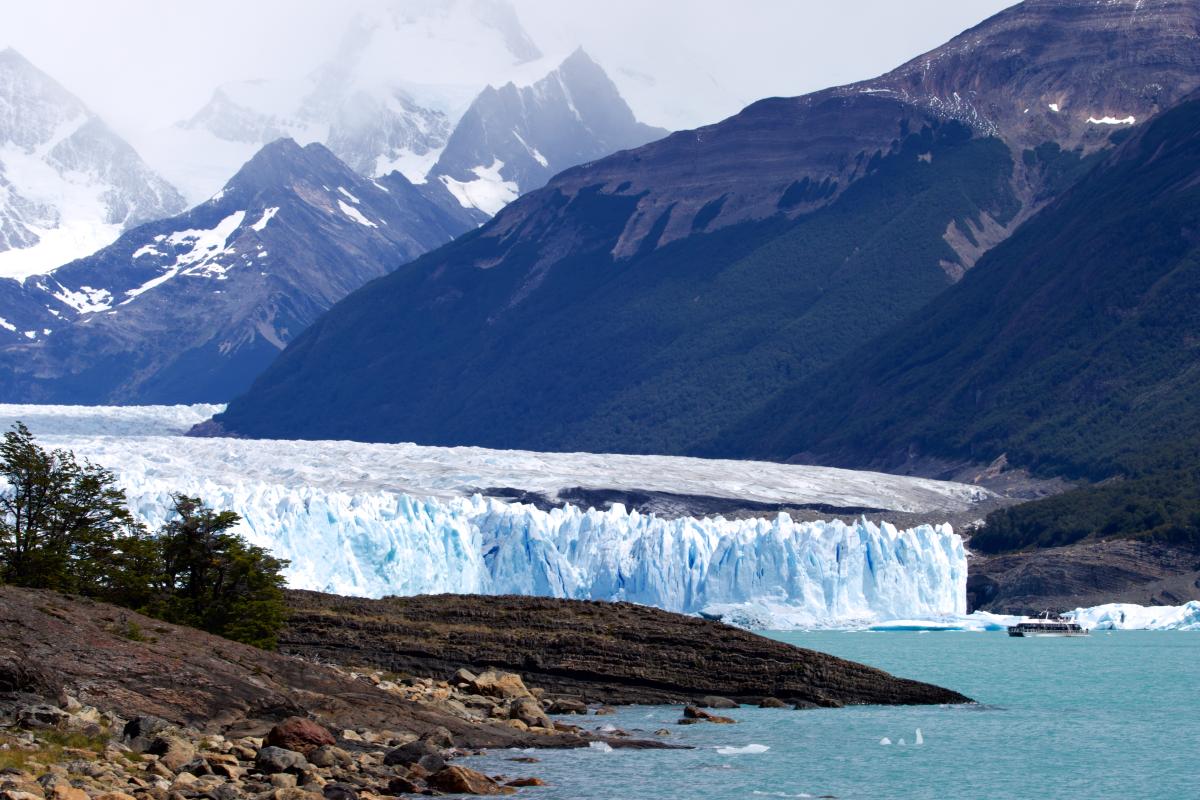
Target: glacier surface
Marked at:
399, 519
117, 436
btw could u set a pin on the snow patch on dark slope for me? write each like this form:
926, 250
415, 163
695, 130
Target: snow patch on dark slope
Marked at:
191, 308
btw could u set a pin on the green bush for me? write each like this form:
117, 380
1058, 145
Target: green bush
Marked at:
65, 526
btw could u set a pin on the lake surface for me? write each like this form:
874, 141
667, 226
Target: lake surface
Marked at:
1115, 715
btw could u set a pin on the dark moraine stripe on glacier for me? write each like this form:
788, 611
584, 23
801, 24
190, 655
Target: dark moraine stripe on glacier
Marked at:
602, 652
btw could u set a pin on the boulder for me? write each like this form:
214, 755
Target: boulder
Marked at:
184, 780
328, 756
460, 780
506, 685
522, 782
339, 791
419, 753
172, 751
692, 715
271, 760
772, 702
402, 785
145, 727
438, 737
464, 676
17, 794
295, 793
299, 734
42, 716
712, 701
567, 705
530, 712
56, 787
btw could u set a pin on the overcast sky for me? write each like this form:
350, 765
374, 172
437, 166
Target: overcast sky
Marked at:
681, 63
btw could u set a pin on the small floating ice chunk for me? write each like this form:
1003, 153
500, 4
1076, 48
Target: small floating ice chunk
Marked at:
600, 747
901, 742
920, 739
885, 741
750, 749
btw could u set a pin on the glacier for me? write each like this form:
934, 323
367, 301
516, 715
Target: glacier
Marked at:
373, 520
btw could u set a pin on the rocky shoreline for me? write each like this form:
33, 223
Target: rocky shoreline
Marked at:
586, 651
99, 703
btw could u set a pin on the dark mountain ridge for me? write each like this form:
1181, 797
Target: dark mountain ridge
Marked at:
1069, 349
191, 308
648, 301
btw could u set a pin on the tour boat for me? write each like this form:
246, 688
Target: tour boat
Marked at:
1048, 626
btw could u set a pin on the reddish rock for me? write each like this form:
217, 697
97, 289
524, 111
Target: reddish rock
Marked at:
691, 715
460, 780
299, 734
522, 782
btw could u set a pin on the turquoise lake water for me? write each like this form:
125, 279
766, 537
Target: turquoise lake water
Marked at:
1110, 716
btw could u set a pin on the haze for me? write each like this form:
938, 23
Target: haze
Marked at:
144, 64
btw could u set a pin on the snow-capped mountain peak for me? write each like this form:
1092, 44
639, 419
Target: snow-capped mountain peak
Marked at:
515, 138
68, 184
200, 302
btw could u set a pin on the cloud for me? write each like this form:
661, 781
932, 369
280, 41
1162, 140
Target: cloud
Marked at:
681, 63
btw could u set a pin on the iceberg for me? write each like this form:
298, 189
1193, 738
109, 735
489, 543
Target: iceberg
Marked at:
374, 520
1131, 617
1108, 617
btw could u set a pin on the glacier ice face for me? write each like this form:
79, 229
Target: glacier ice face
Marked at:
378, 543
346, 517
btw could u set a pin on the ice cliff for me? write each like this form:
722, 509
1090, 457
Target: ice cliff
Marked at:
347, 528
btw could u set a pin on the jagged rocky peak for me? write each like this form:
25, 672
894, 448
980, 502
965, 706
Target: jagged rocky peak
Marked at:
387, 98
69, 183
515, 138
